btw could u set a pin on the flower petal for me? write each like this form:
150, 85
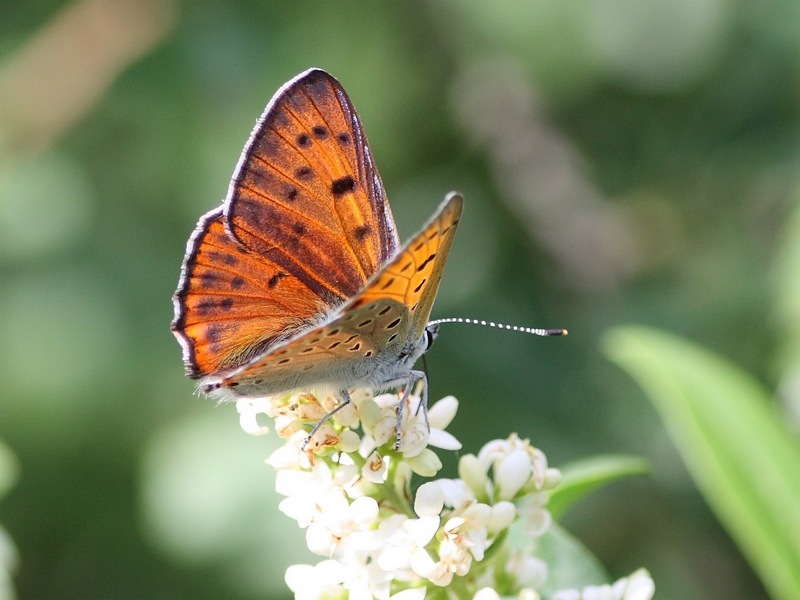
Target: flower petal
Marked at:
441, 414
513, 472
439, 438
429, 499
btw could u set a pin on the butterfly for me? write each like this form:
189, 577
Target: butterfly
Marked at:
298, 281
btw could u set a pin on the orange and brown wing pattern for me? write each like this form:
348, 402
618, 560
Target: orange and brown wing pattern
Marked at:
306, 193
331, 354
232, 304
386, 319
412, 278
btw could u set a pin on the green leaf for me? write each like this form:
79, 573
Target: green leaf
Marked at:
583, 477
9, 469
570, 565
743, 459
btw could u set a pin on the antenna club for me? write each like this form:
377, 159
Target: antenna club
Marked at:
520, 328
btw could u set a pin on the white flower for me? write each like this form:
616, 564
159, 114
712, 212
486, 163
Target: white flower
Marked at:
400, 538
637, 586
505, 456
323, 580
429, 499
528, 571
425, 464
440, 415
486, 594
350, 488
464, 533
536, 518
349, 441
337, 524
249, 409
414, 433
503, 514
512, 472
368, 410
374, 469
475, 476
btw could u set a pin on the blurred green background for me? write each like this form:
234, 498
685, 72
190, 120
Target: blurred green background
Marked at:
622, 161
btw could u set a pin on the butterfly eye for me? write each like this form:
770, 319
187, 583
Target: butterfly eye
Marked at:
431, 332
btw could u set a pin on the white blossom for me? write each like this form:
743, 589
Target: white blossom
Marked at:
638, 585
350, 488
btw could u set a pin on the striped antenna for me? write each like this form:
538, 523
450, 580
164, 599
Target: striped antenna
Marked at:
531, 330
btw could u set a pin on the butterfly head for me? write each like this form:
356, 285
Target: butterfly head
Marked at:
430, 335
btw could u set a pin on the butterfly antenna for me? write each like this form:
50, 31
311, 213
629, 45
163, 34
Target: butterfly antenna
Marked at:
522, 329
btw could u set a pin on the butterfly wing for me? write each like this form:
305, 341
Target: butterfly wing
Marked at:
306, 193
304, 225
232, 304
375, 332
412, 278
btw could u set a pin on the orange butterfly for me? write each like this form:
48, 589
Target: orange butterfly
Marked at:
298, 280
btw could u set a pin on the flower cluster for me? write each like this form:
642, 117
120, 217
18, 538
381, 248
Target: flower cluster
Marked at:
349, 487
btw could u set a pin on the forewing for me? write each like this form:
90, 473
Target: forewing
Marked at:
306, 194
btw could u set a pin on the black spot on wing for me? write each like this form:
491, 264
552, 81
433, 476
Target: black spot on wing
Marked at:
425, 262
213, 333
320, 132
205, 306
362, 232
223, 257
273, 281
303, 172
343, 185
208, 280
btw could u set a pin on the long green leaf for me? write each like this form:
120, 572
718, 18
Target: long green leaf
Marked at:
745, 462
583, 477
9, 469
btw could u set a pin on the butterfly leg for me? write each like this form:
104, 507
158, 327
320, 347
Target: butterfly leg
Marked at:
413, 378
344, 400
